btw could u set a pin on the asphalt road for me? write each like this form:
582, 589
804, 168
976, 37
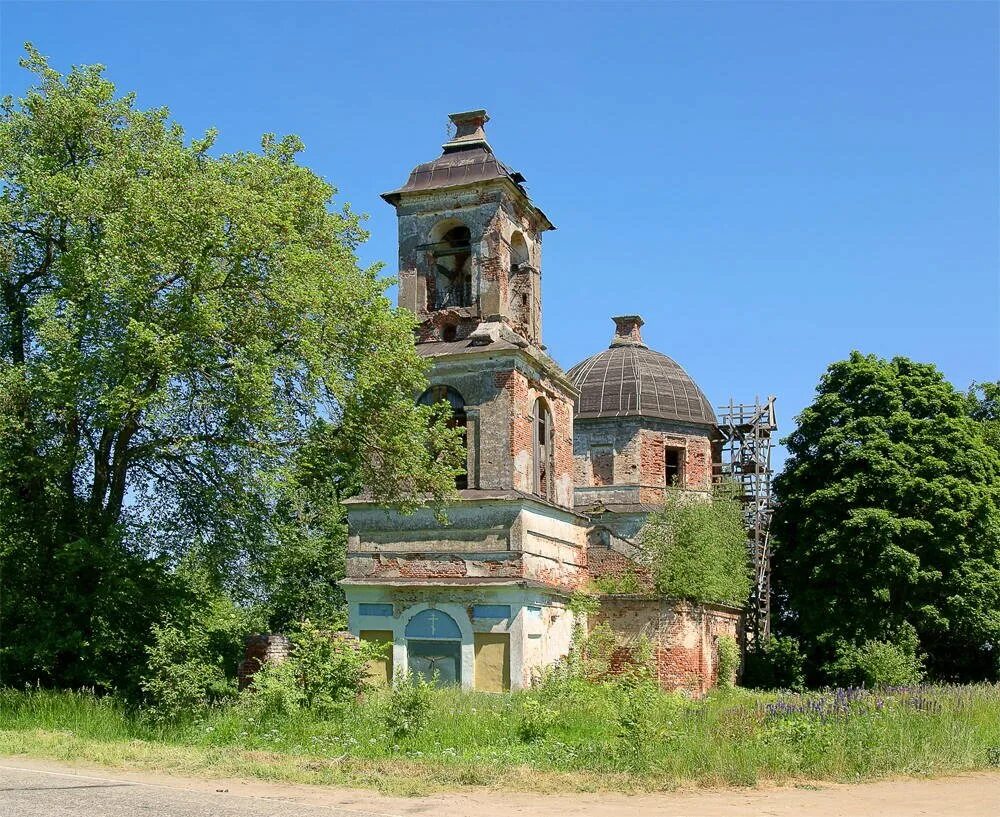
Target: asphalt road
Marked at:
28, 792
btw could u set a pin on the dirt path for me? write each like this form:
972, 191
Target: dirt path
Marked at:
42, 788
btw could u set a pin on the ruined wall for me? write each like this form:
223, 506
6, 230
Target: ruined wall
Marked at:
554, 550
500, 390
614, 562
684, 637
631, 452
696, 456
260, 649
523, 389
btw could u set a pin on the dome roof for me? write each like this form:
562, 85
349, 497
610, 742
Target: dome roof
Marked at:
631, 380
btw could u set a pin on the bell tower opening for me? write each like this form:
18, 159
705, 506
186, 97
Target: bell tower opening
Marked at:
452, 269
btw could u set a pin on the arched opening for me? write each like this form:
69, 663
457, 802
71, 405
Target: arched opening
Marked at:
452, 251
434, 647
521, 284
543, 462
446, 394
518, 251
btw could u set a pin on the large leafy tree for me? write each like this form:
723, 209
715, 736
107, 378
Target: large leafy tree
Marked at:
174, 324
888, 519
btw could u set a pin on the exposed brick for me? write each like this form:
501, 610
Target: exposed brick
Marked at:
684, 637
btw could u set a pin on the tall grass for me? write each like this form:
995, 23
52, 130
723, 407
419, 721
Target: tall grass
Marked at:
564, 735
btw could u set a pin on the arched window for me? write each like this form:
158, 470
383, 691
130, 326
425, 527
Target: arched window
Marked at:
446, 394
542, 423
452, 251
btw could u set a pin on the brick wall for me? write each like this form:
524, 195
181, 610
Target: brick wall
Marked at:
522, 393
264, 648
610, 565
684, 637
696, 458
636, 448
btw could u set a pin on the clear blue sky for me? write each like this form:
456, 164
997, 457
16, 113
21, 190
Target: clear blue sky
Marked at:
769, 185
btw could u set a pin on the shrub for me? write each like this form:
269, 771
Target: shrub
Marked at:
627, 582
329, 667
596, 651
181, 676
324, 669
699, 549
409, 705
780, 664
877, 664
729, 661
534, 720
636, 731
192, 664
276, 690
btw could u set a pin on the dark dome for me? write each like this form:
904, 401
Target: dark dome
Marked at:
631, 380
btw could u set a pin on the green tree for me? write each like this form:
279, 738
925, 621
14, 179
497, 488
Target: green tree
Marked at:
888, 520
300, 566
194, 652
175, 323
984, 408
699, 549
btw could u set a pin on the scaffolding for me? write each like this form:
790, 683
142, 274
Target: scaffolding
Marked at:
745, 462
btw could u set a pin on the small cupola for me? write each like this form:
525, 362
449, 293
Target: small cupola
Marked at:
470, 131
627, 331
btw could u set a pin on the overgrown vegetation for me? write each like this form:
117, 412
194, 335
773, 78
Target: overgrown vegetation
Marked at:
729, 661
564, 735
699, 549
779, 664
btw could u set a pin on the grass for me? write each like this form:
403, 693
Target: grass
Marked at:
564, 737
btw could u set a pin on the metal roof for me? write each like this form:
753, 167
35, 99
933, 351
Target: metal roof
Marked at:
631, 380
468, 166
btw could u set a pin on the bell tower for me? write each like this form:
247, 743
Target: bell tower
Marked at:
470, 242
497, 576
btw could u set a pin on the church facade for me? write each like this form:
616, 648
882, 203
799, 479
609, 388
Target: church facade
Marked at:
562, 468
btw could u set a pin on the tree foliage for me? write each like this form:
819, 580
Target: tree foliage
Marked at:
779, 664
876, 664
176, 325
888, 520
699, 549
984, 408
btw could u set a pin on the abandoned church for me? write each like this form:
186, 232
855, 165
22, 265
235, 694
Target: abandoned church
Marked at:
563, 466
